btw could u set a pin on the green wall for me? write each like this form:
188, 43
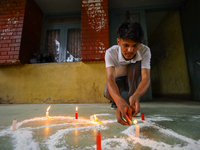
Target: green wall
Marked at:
170, 76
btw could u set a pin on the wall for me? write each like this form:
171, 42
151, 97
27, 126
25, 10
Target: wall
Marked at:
169, 76
191, 35
20, 31
11, 24
94, 29
32, 28
53, 83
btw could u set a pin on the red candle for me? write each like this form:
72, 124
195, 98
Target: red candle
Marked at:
98, 141
142, 115
76, 113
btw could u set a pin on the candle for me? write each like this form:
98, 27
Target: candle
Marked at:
142, 116
98, 144
76, 113
96, 120
47, 112
14, 125
137, 129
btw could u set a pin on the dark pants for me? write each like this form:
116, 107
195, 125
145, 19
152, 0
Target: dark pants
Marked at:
127, 83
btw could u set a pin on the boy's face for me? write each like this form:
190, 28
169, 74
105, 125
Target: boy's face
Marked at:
128, 47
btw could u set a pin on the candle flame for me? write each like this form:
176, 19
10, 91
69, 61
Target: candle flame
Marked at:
76, 108
48, 108
96, 120
135, 121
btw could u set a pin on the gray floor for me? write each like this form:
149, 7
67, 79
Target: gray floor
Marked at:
168, 125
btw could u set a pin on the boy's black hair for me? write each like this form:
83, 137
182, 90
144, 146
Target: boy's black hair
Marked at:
131, 30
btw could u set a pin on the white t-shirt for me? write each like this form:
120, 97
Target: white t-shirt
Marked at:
114, 57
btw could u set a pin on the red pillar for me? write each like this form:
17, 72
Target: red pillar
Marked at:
94, 29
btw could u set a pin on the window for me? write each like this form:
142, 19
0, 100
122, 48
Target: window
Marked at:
73, 51
52, 44
62, 38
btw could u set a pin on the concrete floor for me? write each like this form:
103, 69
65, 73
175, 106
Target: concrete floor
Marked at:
167, 125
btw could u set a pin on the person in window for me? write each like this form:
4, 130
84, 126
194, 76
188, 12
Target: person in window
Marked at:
127, 69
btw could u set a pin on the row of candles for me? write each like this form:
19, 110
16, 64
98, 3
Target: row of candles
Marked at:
98, 138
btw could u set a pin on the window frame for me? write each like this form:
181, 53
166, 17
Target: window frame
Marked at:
63, 37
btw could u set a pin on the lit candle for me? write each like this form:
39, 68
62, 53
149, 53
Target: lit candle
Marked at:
14, 125
98, 146
142, 116
47, 112
76, 113
96, 120
137, 129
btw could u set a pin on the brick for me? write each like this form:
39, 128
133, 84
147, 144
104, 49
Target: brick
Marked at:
18, 40
19, 33
2, 61
20, 7
11, 57
83, 40
22, 11
3, 19
17, 48
7, 26
8, 16
16, 29
5, 41
14, 45
11, 61
23, 4
4, 45
16, 56
89, 48
18, 14
94, 57
20, 25
2, 49
4, 53
21, 18
12, 48
83, 57
2, 23
4, 57
87, 52
6, 37
83, 48
20, 21
13, 41
7, 12
13, 52
15, 37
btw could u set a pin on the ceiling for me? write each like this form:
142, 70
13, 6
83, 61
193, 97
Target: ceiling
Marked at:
58, 6
62, 6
